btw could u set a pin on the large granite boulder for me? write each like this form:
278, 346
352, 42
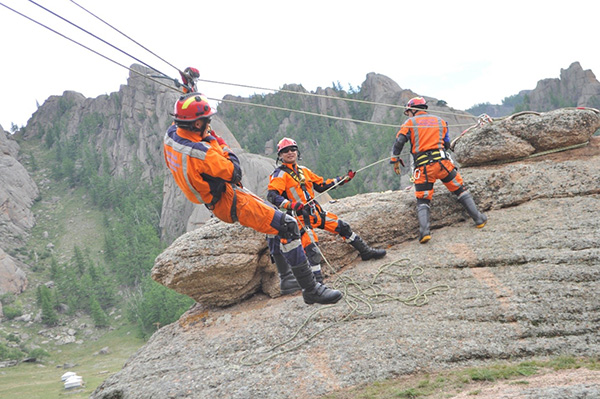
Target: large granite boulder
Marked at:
12, 278
221, 264
525, 134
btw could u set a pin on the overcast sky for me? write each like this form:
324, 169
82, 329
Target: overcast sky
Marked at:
464, 52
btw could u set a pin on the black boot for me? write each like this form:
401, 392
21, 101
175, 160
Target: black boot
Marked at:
312, 291
366, 252
469, 204
287, 281
423, 211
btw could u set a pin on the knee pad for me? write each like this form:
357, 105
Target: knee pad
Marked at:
423, 201
343, 229
460, 190
313, 253
289, 228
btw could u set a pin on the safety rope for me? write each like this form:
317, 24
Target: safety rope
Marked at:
537, 154
165, 76
360, 299
95, 36
331, 97
345, 179
134, 41
88, 48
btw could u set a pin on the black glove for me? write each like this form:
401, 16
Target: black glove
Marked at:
237, 174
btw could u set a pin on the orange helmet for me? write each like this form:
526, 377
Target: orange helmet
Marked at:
415, 102
286, 142
191, 107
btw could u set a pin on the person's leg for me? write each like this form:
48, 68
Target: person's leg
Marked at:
334, 225
454, 183
287, 282
424, 192
250, 211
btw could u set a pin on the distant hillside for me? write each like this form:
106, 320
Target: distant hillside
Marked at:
575, 88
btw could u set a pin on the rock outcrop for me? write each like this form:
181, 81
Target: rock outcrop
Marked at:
12, 277
524, 286
576, 87
525, 134
196, 262
17, 194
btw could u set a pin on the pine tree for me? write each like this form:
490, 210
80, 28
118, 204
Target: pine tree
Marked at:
98, 315
49, 315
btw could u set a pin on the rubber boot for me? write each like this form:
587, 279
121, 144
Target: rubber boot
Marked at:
423, 211
469, 204
287, 281
366, 252
312, 291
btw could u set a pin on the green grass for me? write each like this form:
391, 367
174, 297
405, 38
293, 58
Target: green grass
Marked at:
450, 383
42, 380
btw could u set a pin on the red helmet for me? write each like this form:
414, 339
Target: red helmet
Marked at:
191, 107
286, 142
415, 102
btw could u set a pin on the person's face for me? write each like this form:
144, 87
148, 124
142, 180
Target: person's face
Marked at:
202, 125
289, 154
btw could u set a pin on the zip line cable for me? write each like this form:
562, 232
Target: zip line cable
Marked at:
106, 23
96, 37
248, 86
328, 97
87, 48
165, 76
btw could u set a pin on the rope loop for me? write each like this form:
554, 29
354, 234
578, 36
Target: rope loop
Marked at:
360, 300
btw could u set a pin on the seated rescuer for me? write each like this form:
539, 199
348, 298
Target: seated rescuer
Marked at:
209, 173
429, 140
292, 187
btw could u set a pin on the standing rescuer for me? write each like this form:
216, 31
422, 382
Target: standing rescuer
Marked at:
292, 187
209, 173
429, 140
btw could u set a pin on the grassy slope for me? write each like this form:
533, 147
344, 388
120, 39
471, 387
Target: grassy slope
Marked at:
67, 217
42, 380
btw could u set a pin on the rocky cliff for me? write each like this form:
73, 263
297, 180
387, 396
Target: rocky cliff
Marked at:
17, 194
522, 287
575, 87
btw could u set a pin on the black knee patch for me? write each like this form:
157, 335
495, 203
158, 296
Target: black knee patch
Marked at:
423, 201
313, 254
289, 228
343, 229
458, 192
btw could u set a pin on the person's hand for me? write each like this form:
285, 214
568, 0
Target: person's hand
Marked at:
189, 75
297, 207
350, 175
345, 179
397, 162
219, 139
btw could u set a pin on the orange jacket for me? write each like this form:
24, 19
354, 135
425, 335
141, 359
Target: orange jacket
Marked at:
425, 132
201, 168
285, 187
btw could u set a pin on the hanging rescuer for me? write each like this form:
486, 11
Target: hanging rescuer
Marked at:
429, 144
209, 173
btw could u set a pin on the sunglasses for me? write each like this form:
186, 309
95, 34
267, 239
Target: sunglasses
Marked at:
286, 150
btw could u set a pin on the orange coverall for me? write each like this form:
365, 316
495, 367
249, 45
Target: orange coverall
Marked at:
204, 171
428, 135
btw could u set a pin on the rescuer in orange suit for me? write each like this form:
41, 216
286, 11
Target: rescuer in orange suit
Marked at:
292, 187
429, 141
209, 173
